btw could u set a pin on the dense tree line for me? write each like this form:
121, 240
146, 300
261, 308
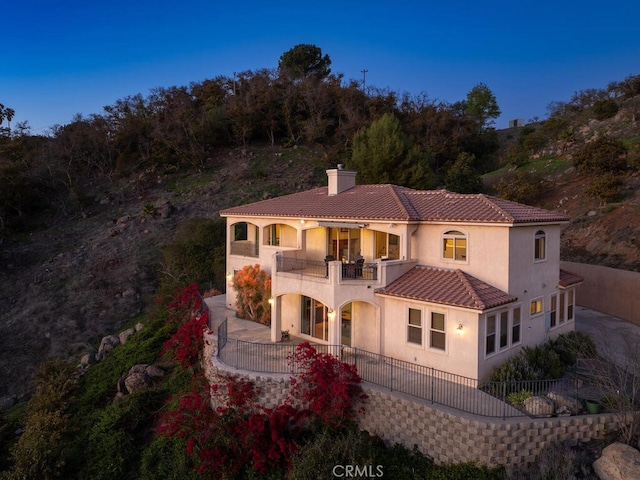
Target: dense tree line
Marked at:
181, 127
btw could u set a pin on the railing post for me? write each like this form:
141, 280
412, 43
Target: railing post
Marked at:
433, 385
504, 400
237, 352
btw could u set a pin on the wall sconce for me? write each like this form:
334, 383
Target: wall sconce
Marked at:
331, 315
229, 276
392, 225
303, 221
459, 329
271, 301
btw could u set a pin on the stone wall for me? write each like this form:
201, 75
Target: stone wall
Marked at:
608, 290
446, 435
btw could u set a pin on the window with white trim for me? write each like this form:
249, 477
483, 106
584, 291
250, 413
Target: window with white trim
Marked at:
490, 345
414, 326
454, 246
515, 326
504, 329
536, 306
570, 305
553, 311
437, 331
562, 311
540, 246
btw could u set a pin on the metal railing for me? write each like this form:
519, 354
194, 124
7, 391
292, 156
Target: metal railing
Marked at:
436, 386
355, 271
245, 249
302, 266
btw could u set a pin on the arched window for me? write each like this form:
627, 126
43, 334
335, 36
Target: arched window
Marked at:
454, 245
540, 246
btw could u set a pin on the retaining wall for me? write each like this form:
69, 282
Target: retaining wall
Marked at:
445, 435
608, 290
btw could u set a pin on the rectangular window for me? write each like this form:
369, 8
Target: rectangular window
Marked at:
414, 329
570, 305
438, 339
504, 330
553, 311
562, 317
274, 234
539, 249
536, 306
515, 326
454, 246
491, 335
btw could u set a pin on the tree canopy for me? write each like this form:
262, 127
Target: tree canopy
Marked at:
304, 61
482, 104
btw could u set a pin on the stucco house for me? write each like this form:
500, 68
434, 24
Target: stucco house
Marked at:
457, 282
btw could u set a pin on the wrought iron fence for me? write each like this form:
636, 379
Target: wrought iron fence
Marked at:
302, 266
359, 271
492, 399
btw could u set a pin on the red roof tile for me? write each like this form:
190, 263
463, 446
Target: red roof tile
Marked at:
569, 278
391, 202
446, 287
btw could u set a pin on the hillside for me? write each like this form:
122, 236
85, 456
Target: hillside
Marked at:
80, 277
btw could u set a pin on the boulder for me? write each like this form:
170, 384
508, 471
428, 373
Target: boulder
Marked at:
140, 368
108, 343
154, 371
139, 326
136, 382
88, 359
539, 406
124, 336
572, 405
619, 461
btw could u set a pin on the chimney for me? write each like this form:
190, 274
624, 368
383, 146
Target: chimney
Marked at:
340, 179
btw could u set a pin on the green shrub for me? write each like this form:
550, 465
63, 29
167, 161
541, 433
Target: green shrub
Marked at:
523, 187
569, 346
601, 156
544, 363
605, 108
167, 458
606, 187
518, 398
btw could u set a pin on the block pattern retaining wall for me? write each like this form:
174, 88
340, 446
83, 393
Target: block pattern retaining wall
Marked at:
446, 435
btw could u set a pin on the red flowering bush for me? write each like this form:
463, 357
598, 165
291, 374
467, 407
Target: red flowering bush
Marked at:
187, 312
238, 434
253, 289
326, 386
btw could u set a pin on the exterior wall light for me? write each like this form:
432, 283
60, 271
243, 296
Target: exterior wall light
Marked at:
229, 276
459, 329
331, 315
271, 301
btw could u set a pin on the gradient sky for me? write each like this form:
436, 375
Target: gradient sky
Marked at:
60, 58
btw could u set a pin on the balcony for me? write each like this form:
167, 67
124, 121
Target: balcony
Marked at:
245, 249
320, 268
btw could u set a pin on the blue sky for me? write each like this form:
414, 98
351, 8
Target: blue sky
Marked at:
60, 58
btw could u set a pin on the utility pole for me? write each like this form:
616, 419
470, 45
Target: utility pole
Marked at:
364, 79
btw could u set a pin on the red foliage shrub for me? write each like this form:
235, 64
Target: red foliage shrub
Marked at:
327, 387
187, 312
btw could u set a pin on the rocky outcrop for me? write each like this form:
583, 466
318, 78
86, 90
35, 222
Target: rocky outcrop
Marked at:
107, 344
618, 462
539, 406
564, 404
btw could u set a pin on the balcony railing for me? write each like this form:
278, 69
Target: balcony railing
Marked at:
320, 268
359, 271
302, 266
245, 249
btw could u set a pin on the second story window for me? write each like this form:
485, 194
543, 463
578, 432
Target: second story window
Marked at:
540, 246
454, 245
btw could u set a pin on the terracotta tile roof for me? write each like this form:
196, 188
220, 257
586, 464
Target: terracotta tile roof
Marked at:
569, 278
391, 202
446, 287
